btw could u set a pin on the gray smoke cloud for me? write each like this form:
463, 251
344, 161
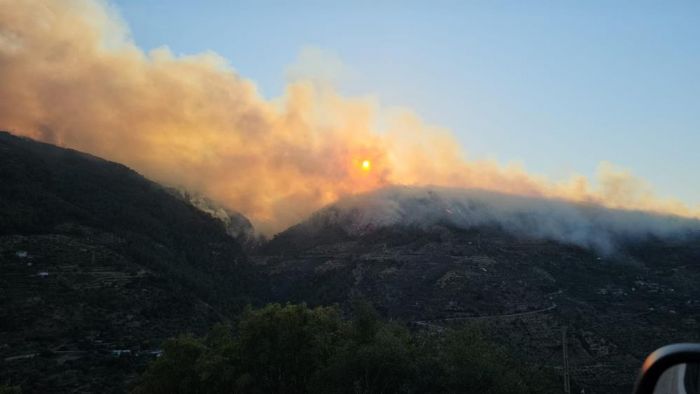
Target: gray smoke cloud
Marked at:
587, 225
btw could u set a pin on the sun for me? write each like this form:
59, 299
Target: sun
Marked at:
366, 165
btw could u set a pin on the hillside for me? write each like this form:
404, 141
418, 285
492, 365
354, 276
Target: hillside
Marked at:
98, 265
522, 284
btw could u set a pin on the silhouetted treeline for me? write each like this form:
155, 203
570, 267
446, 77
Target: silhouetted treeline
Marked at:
296, 349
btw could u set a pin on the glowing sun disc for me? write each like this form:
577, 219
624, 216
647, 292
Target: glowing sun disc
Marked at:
366, 165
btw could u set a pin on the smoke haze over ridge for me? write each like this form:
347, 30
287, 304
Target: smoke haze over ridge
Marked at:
587, 225
71, 75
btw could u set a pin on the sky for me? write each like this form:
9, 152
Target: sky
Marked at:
556, 87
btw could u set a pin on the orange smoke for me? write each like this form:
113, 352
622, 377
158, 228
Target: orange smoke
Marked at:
70, 75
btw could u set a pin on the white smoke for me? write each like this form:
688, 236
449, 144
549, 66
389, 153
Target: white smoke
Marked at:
587, 225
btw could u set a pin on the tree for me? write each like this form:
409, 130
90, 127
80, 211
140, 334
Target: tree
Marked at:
381, 363
282, 348
295, 349
175, 371
472, 364
7, 389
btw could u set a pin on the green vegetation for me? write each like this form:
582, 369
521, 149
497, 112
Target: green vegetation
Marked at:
296, 349
6, 389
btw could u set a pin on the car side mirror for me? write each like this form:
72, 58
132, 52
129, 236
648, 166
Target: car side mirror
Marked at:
672, 369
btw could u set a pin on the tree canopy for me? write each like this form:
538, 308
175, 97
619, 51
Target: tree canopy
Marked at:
296, 349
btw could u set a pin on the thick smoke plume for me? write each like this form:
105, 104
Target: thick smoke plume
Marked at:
70, 75
586, 225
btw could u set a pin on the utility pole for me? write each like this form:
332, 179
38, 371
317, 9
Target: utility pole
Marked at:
565, 351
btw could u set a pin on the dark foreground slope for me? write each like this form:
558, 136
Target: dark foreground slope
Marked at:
97, 266
615, 305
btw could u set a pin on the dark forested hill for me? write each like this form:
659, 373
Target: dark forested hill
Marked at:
614, 284
97, 266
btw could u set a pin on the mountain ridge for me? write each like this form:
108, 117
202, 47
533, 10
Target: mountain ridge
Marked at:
587, 225
98, 266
